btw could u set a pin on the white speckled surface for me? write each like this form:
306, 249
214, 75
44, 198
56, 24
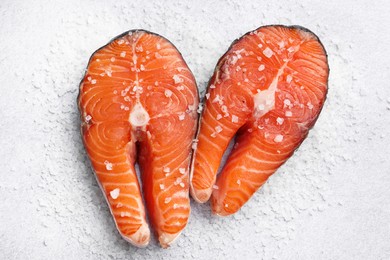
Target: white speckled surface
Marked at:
330, 201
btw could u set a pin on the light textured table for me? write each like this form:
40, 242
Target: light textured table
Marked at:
329, 201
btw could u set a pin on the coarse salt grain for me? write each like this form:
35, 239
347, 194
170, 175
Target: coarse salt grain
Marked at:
182, 184
310, 105
234, 118
200, 108
168, 93
207, 95
288, 113
115, 193
279, 120
261, 67
123, 54
108, 165
182, 170
162, 186
219, 116
218, 129
93, 81
166, 169
167, 200
177, 79
212, 86
182, 116
88, 118
268, 52
278, 138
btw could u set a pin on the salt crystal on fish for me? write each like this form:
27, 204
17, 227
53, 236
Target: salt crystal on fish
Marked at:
182, 116
219, 116
279, 120
123, 54
261, 67
182, 184
177, 79
212, 86
288, 113
278, 138
215, 187
166, 169
234, 118
167, 200
291, 49
310, 105
115, 193
162, 186
218, 129
108, 165
142, 67
93, 81
182, 170
168, 93
207, 95
112, 59
268, 52
216, 99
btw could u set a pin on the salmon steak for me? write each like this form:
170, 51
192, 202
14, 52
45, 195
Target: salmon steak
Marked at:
265, 94
138, 103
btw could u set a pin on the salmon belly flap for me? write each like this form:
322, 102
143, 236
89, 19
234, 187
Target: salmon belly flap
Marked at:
138, 103
267, 91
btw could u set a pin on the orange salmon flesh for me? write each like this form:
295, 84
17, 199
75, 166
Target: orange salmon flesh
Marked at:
138, 102
267, 91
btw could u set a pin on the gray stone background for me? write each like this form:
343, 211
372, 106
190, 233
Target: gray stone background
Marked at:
329, 201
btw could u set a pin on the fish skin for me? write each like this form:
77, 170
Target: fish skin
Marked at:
262, 144
122, 125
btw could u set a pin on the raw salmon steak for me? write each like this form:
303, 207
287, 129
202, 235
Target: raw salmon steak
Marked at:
267, 91
138, 103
